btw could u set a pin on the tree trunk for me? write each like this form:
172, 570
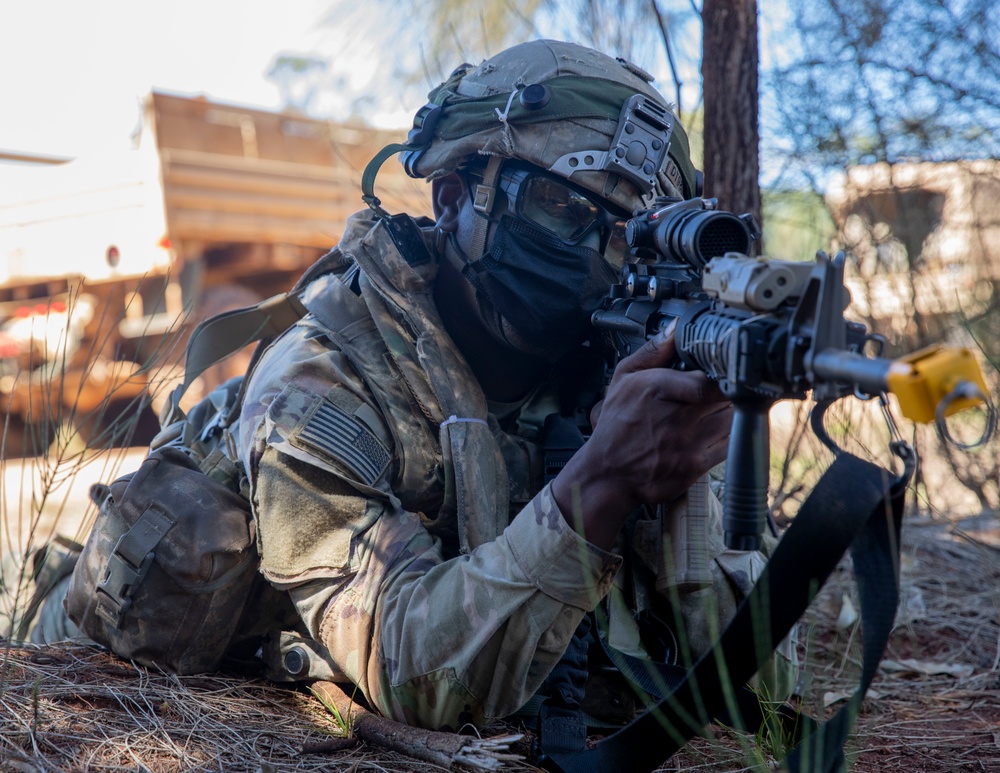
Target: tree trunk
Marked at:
729, 80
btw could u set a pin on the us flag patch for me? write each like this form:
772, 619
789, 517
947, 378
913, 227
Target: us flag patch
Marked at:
337, 434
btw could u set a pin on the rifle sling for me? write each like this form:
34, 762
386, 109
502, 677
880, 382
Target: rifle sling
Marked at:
856, 504
224, 334
657, 680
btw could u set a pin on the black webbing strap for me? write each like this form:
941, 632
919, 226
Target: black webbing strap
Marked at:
875, 555
855, 502
658, 680
224, 334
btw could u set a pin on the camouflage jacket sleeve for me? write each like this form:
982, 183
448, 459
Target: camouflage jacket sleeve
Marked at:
430, 641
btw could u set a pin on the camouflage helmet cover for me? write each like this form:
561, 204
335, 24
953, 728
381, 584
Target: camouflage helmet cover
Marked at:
572, 126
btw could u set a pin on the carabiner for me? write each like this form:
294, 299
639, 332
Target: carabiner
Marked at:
906, 453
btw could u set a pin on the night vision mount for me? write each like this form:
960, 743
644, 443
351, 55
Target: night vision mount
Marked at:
638, 149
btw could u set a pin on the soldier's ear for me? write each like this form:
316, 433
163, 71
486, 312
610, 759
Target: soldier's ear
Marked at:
448, 193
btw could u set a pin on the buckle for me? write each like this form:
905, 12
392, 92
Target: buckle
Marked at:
485, 196
119, 582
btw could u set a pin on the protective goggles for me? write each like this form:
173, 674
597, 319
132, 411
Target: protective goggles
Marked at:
555, 206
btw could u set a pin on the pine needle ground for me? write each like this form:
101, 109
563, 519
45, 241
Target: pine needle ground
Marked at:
934, 706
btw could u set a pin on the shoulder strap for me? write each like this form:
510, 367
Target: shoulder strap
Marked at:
856, 504
217, 337
224, 334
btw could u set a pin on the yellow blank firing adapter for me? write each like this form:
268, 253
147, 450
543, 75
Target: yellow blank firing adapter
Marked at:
937, 378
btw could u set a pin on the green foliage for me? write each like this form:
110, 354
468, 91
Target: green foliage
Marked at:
694, 125
662, 38
295, 63
471, 32
796, 224
343, 721
299, 79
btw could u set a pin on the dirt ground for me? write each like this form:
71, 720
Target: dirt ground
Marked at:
934, 706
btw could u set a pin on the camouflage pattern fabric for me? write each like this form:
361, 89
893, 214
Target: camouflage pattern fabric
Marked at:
413, 536
32, 588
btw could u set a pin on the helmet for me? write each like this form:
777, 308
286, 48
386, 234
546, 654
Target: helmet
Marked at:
561, 107
563, 110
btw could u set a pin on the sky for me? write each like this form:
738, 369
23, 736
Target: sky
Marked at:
73, 73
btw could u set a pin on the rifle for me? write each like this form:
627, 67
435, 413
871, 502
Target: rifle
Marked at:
764, 330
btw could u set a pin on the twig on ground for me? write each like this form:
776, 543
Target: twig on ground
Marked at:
444, 749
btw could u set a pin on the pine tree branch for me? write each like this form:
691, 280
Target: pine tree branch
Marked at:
444, 749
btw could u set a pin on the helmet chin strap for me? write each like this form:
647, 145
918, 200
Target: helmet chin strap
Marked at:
484, 197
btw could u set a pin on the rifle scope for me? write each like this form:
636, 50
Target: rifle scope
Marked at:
691, 232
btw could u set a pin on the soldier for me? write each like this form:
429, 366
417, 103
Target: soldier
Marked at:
394, 442
421, 493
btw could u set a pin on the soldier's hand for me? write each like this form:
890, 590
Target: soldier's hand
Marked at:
657, 431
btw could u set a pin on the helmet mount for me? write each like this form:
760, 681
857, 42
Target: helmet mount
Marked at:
638, 149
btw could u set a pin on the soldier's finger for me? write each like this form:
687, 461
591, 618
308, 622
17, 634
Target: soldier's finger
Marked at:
691, 387
660, 351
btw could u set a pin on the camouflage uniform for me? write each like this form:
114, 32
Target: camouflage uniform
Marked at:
412, 534
405, 517
33, 585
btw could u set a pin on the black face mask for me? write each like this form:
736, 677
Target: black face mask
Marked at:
543, 288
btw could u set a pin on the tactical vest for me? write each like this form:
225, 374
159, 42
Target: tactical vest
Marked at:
380, 313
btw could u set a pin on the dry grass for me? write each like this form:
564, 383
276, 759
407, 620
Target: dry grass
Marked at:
917, 720
72, 708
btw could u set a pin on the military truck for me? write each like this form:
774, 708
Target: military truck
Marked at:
924, 242
107, 262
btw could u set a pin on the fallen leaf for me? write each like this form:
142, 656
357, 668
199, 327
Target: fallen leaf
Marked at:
911, 606
848, 614
928, 668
